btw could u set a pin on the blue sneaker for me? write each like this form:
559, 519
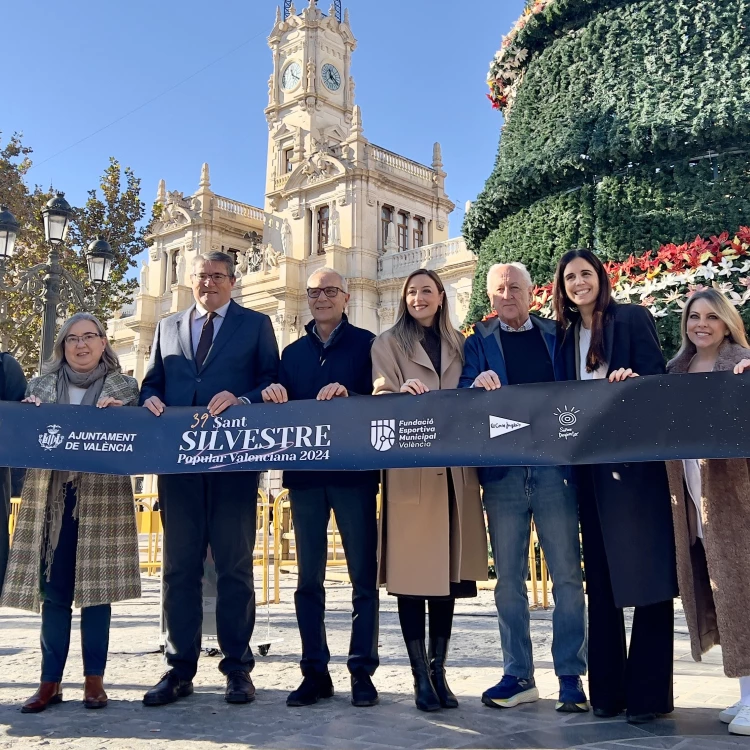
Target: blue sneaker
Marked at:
572, 699
510, 692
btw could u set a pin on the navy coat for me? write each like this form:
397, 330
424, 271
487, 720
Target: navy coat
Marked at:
243, 360
632, 499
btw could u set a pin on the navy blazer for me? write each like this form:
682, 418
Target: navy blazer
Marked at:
484, 350
244, 359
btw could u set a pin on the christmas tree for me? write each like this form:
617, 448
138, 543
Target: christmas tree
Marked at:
627, 129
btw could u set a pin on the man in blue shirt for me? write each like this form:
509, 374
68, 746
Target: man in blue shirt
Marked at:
331, 361
512, 349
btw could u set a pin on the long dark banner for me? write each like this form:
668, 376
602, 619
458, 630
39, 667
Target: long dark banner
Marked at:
661, 417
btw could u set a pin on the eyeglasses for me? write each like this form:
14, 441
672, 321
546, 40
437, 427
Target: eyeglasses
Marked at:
330, 292
217, 278
87, 338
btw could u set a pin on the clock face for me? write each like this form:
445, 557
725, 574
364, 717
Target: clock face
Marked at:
331, 77
292, 76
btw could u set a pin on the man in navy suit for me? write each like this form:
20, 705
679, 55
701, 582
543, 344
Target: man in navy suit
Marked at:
214, 355
512, 349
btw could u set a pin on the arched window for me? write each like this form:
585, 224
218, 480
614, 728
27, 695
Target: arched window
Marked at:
323, 225
386, 217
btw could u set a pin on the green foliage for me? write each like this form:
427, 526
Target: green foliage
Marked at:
605, 139
115, 216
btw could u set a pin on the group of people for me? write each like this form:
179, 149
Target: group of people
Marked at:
648, 529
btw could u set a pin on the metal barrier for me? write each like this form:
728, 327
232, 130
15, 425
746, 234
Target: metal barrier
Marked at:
148, 522
15, 504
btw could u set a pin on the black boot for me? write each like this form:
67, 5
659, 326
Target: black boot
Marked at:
438, 655
424, 692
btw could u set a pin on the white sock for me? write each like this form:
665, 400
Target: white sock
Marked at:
745, 691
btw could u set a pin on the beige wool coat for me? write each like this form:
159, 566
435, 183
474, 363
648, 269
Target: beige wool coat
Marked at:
424, 543
107, 567
715, 589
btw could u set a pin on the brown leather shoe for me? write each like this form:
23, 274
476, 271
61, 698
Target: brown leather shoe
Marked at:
49, 694
93, 692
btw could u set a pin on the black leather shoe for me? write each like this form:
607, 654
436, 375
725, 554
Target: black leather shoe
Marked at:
640, 718
313, 687
363, 691
240, 688
169, 689
607, 713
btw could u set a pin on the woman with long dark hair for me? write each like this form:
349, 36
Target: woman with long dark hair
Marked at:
625, 509
433, 543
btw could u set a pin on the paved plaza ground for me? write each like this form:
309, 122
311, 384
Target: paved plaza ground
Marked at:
204, 721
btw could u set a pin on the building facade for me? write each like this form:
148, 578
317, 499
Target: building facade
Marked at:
332, 199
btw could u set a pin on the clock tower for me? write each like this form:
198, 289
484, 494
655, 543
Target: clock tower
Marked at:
311, 91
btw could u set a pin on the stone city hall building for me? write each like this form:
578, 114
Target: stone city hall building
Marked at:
332, 199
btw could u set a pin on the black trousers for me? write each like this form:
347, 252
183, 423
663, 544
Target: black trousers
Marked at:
356, 517
411, 617
638, 680
198, 510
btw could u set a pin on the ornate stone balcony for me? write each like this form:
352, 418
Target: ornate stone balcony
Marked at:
236, 208
398, 265
387, 161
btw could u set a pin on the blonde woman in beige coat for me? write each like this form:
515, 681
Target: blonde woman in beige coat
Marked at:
711, 509
433, 543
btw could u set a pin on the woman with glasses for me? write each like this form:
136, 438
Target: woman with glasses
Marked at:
75, 539
433, 544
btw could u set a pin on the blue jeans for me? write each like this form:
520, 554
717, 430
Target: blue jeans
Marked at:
57, 609
510, 502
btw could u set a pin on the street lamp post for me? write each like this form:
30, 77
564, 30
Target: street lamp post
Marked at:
49, 284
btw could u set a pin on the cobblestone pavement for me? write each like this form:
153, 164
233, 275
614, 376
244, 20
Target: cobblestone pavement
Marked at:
204, 721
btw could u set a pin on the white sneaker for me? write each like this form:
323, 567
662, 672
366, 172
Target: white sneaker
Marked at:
728, 714
741, 723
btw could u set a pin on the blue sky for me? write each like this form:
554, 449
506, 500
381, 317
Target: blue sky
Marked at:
420, 69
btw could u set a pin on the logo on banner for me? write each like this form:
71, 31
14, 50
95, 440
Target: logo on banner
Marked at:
383, 434
567, 417
52, 438
501, 426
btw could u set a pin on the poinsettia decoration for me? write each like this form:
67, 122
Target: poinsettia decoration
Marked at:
663, 280
506, 68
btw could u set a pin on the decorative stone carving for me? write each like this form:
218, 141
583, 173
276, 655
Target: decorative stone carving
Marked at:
285, 321
386, 315
286, 238
241, 267
144, 277
310, 77
391, 243
153, 252
255, 259
335, 234
271, 257
440, 225
462, 300
180, 268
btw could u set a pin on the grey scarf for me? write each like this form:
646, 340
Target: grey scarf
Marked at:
93, 382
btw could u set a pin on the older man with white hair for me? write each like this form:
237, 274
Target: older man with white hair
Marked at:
512, 349
331, 361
